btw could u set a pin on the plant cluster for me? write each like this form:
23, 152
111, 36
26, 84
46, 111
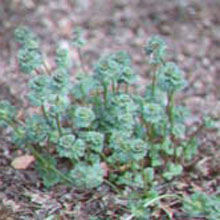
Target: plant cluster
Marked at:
201, 204
101, 118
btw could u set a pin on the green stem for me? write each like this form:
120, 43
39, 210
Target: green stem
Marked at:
159, 198
46, 164
146, 188
113, 87
154, 80
97, 100
83, 94
112, 186
162, 61
48, 146
170, 110
44, 112
171, 119
81, 60
105, 94
150, 135
58, 124
126, 88
12, 125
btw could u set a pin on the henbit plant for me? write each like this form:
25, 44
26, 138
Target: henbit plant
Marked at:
101, 119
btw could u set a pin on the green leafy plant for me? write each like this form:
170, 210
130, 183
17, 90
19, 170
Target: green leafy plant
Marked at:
101, 118
71, 148
87, 176
202, 204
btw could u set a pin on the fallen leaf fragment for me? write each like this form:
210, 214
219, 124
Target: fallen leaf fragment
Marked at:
22, 162
104, 166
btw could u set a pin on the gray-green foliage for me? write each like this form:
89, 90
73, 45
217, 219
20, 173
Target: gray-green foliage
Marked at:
78, 38
36, 129
100, 119
38, 86
60, 82
29, 59
126, 148
202, 204
83, 117
26, 38
153, 113
94, 140
7, 112
171, 78
116, 67
173, 170
29, 56
71, 147
86, 176
46, 171
155, 49
61, 58
83, 86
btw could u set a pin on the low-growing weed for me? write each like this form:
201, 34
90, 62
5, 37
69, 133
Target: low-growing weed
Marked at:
101, 119
201, 204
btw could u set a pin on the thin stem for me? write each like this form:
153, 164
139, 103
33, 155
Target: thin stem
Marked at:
170, 110
58, 124
159, 198
44, 112
151, 133
113, 87
12, 125
48, 146
151, 138
105, 94
154, 81
162, 61
81, 59
146, 188
97, 100
171, 119
46, 163
126, 88
154, 85
112, 186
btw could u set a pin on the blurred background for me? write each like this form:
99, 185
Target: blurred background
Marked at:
191, 28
